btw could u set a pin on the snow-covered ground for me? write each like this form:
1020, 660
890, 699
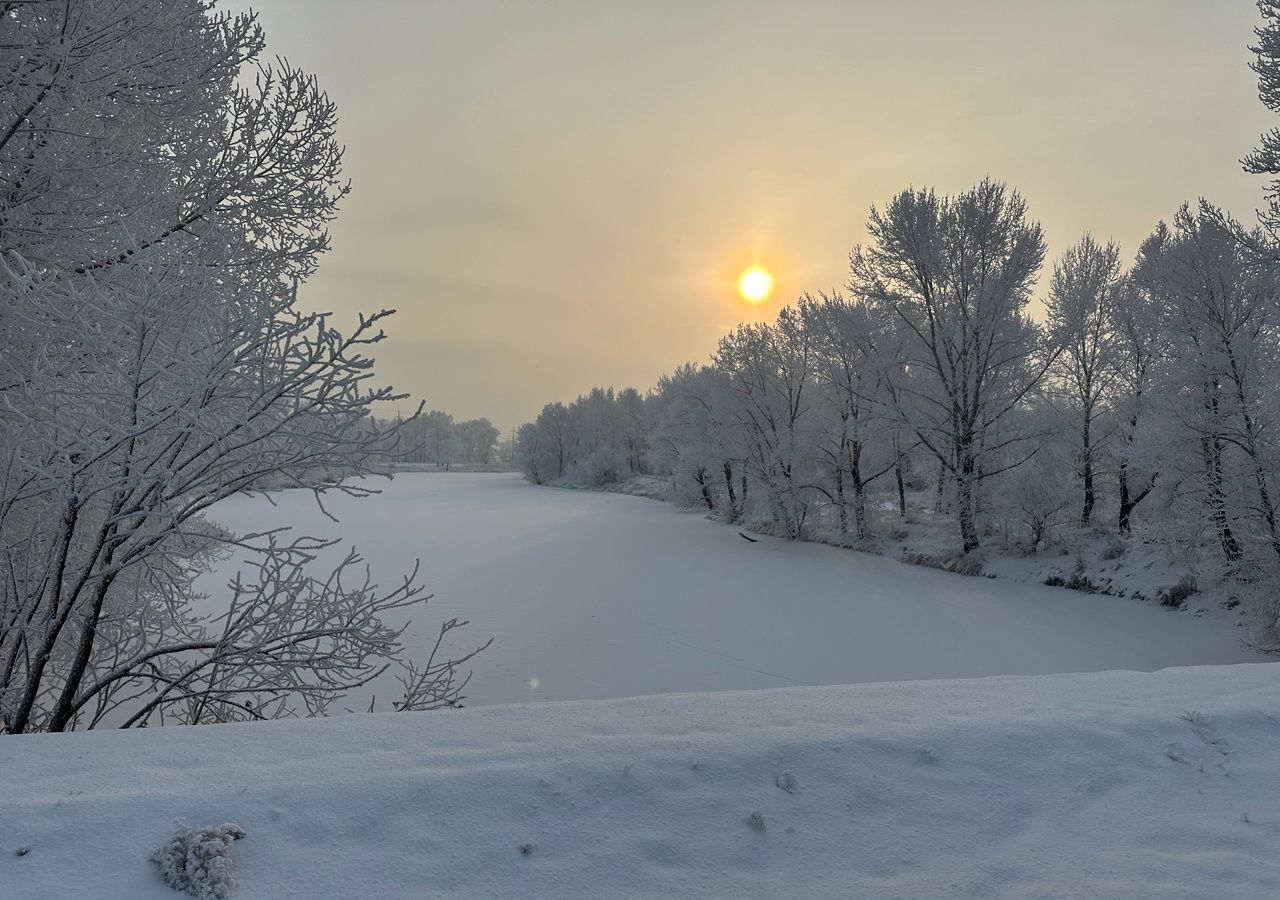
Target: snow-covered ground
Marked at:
1117, 785
596, 595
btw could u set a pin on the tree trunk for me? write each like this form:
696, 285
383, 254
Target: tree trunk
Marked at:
35, 667
1268, 508
1126, 502
966, 513
902, 488
728, 485
844, 510
1086, 462
1251, 448
65, 708
1212, 449
701, 478
859, 491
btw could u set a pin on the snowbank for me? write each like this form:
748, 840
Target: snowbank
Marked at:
1115, 784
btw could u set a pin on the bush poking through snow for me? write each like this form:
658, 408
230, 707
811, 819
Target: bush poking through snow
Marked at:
198, 860
960, 564
1114, 550
1082, 582
1173, 597
787, 781
756, 820
604, 466
1078, 581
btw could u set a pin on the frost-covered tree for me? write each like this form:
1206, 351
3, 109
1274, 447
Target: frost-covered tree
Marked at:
600, 438
163, 193
434, 438
476, 441
1081, 310
957, 273
1141, 345
1223, 325
437, 431
1039, 498
693, 443
1265, 160
543, 446
771, 405
854, 360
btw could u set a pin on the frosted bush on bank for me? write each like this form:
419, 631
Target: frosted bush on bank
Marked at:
198, 860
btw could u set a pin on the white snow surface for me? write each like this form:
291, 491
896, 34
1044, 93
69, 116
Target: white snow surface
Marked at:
596, 595
1117, 785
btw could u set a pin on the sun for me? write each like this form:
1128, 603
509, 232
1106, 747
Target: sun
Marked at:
755, 284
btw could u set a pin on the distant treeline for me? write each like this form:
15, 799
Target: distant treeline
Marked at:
434, 438
599, 438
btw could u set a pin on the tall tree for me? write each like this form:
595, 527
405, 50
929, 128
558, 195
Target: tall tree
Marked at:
1141, 345
692, 439
1083, 293
1223, 323
850, 355
768, 375
957, 272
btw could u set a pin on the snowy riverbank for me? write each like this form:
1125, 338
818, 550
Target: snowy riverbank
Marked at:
1116, 785
1085, 560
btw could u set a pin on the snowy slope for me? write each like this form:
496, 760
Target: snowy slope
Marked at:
1118, 785
591, 595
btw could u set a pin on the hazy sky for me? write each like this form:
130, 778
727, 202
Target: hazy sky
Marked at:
559, 195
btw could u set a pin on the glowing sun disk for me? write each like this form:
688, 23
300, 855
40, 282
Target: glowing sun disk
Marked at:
755, 284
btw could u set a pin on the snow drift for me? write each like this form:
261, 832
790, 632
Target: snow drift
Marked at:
1113, 784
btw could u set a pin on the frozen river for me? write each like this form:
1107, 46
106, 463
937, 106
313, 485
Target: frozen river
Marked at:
599, 595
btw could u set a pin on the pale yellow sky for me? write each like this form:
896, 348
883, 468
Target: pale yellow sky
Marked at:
560, 195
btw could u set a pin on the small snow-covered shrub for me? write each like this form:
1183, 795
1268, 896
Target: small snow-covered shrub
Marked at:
692, 486
961, 563
1039, 503
198, 860
1173, 597
1082, 582
965, 565
787, 781
1079, 581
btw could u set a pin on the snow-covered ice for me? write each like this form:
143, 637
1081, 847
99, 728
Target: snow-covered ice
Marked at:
1057, 786
592, 595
